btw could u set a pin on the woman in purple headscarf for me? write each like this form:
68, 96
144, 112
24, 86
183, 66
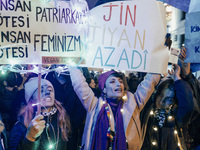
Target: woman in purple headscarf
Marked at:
113, 120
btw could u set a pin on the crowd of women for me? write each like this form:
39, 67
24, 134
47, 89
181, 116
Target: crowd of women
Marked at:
160, 112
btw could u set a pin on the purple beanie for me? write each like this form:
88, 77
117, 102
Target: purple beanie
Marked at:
103, 77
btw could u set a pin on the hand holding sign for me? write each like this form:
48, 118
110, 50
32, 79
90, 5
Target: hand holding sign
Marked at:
185, 68
182, 55
35, 128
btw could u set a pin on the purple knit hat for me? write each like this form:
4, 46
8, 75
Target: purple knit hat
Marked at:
103, 77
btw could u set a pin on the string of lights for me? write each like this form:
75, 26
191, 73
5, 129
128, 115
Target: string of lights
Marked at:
52, 145
156, 127
23, 69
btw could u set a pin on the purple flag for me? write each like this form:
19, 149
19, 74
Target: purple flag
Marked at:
180, 4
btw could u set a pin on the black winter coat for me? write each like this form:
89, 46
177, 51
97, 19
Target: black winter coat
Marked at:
164, 137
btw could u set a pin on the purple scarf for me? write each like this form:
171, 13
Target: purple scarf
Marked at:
100, 141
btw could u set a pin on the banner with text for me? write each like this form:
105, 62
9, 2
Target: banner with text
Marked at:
128, 35
42, 31
192, 34
194, 6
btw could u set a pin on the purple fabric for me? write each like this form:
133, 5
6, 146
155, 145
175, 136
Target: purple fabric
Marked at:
113, 104
100, 141
120, 140
103, 77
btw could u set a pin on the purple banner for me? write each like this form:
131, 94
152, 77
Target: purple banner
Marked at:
195, 67
180, 4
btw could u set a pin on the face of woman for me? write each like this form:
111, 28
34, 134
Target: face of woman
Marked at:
47, 96
92, 84
114, 87
165, 98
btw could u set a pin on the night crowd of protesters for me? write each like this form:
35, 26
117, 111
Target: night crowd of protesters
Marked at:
81, 109
88, 110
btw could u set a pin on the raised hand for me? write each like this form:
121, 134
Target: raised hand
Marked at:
182, 54
175, 72
185, 69
35, 128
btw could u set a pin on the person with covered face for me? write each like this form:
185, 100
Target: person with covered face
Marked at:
48, 130
172, 107
112, 120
